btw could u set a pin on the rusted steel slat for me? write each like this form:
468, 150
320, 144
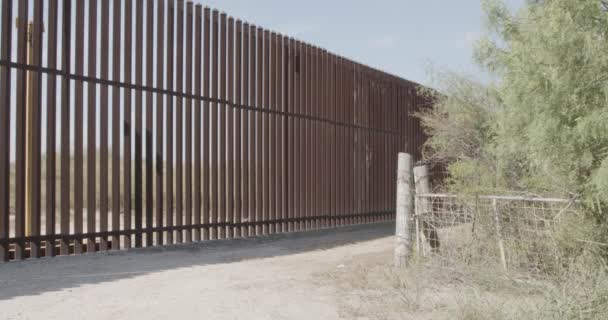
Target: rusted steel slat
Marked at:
272, 134
169, 121
312, 136
116, 30
5, 116
198, 59
301, 107
325, 140
20, 165
339, 142
248, 137
160, 159
238, 154
214, 124
343, 145
349, 141
259, 228
253, 194
229, 162
315, 85
282, 136
149, 134
35, 125
188, 119
266, 134
222, 128
91, 127
207, 191
65, 127
343, 141
289, 76
128, 118
103, 125
326, 161
78, 134
51, 127
296, 75
318, 147
139, 56
332, 106
179, 118
308, 133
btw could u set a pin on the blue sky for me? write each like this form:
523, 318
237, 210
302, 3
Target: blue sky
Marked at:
398, 36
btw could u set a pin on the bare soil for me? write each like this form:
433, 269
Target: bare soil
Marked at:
274, 277
329, 274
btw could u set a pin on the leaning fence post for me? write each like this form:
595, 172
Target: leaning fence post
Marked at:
405, 205
501, 246
423, 187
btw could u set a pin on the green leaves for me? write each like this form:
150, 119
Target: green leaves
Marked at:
543, 126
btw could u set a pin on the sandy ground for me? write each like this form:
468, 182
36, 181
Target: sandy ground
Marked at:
277, 277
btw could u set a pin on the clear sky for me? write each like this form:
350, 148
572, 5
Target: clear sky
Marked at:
398, 36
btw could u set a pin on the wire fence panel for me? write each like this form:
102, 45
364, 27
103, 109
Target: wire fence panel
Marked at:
141, 123
492, 232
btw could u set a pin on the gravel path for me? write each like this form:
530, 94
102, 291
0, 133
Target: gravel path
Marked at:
261, 278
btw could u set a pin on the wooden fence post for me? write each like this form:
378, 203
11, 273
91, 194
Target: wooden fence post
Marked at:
405, 205
501, 246
423, 186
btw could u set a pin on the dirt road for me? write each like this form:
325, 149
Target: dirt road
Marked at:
277, 277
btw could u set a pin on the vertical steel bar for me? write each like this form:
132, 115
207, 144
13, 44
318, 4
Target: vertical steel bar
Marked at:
91, 127
280, 135
65, 125
103, 126
188, 119
266, 147
315, 132
214, 125
128, 118
179, 118
208, 192
332, 111
298, 135
301, 107
169, 121
51, 136
78, 130
248, 138
149, 134
291, 133
197, 119
222, 129
324, 163
5, 116
252, 131
271, 137
20, 156
259, 129
238, 154
139, 56
35, 127
160, 159
306, 123
116, 31
230, 161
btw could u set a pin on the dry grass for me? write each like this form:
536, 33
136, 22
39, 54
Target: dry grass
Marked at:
425, 290
550, 275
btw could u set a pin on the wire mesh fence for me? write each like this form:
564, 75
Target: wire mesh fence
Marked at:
515, 234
